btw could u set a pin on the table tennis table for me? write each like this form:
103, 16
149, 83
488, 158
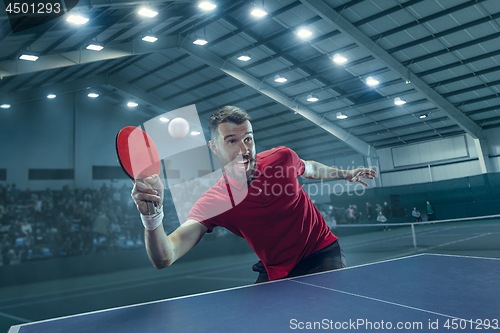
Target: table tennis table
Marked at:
421, 293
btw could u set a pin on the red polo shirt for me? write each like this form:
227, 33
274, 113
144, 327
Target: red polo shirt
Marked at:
272, 212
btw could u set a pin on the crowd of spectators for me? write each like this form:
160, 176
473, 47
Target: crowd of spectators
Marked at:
343, 215
379, 213
352, 214
38, 225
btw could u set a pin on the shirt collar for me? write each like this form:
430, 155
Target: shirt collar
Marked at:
233, 182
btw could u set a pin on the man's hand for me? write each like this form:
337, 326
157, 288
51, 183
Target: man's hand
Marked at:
356, 175
149, 190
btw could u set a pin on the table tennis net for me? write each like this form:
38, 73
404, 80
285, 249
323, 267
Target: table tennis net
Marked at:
465, 234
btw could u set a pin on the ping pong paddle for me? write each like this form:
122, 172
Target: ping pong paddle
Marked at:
138, 157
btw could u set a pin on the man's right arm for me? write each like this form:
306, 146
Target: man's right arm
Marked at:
164, 250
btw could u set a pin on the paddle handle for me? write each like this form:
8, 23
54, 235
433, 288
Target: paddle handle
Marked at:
153, 207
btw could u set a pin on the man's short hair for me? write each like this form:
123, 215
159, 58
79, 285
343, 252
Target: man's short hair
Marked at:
227, 114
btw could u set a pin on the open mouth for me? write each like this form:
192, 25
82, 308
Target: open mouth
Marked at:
243, 164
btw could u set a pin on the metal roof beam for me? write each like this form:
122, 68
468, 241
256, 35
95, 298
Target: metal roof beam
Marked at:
403, 127
459, 63
59, 89
482, 153
71, 74
374, 101
465, 76
292, 132
420, 135
247, 27
419, 140
195, 87
88, 4
333, 86
319, 75
340, 82
179, 77
203, 21
477, 100
388, 120
123, 64
216, 62
452, 49
329, 15
159, 68
408, 116
461, 27
295, 63
50, 61
317, 136
386, 12
425, 19
141, 94
469, 89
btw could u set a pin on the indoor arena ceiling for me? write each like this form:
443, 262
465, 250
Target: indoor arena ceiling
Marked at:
441, 57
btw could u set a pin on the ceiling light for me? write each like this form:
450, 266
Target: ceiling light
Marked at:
93, 95
206, 5
258, 12
95, 47
304, 33
5, 106
340, 115
195, 133
312, 98
399, 101
147, 12
244, 57
51, 96
280, 78
77, 19
164, 120
200, 41
423, 116
132, 104
339, 58
150, 39
29, 57
371, 81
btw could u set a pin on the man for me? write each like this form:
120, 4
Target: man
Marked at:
267, 205
430, 211
350, 214
369, 211
416, 215
386, 210
382, 219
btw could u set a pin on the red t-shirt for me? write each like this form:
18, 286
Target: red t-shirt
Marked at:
272, 212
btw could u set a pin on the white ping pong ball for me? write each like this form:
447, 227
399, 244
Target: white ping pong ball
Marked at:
178, 128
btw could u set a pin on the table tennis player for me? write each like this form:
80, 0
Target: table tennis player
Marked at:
275, 216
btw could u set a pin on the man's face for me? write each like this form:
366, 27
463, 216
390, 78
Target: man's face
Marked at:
236, 149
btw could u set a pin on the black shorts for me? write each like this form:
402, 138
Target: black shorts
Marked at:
328, 258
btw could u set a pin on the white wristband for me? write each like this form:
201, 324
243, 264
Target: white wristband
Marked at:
151, 222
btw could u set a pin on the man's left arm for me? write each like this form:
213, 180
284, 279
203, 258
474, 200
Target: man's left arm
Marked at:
316, 170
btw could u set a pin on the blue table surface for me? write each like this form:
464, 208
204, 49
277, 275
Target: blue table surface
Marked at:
417, 293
